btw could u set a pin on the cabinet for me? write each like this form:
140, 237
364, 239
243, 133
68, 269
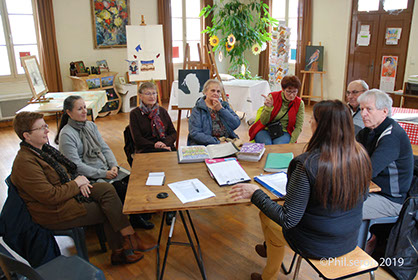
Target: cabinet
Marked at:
103, 81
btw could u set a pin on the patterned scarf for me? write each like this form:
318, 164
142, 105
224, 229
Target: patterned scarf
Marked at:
56, 160
157, 125
91, 146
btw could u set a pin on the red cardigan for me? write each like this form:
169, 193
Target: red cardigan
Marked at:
277, 103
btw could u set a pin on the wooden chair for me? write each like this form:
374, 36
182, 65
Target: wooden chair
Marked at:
349, 265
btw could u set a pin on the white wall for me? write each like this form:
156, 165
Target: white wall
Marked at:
411, 67
73, 23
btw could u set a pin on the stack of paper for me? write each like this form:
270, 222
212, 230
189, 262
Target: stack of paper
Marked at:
251, 151
190, 190
277, 162
155, 179
227, 171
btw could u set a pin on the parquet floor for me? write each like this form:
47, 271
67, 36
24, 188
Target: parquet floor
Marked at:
227, 234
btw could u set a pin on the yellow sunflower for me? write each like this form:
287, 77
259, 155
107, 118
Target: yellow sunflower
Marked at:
256, 49
229, 47
231, 39
214, 41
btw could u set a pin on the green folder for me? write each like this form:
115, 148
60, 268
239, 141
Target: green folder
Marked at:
277, 162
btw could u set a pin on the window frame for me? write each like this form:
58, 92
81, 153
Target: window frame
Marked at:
14, 76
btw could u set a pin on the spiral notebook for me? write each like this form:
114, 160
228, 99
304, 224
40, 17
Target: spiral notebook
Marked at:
227, 172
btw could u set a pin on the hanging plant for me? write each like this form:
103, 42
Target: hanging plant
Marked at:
239, 27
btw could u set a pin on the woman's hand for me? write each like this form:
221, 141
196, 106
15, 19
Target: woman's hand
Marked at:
81, 180
115, 170
160, 145
243, 191
110, 174
269, 100
85, 190
216, 104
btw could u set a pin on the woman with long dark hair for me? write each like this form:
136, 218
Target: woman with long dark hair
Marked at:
326, 187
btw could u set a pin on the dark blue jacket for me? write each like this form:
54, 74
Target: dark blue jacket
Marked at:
30, 240
200, 123
392, 159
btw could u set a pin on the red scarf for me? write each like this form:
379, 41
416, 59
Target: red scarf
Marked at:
157, 126
277, 105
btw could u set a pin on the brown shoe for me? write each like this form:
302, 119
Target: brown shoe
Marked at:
261, 250
133, 242
122, 256
256, 276
371, 245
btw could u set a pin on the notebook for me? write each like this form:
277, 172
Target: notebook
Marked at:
275, 183
277, 162
227, 171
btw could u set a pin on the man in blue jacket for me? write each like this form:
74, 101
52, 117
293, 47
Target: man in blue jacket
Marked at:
390, 152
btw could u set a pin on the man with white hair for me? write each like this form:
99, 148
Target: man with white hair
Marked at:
390, 152
354, 90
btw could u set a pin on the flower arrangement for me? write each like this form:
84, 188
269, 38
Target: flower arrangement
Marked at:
240, 27
110, 19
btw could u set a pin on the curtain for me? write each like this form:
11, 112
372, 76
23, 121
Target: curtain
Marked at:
304, 34
263, 60
48, 51
164, 18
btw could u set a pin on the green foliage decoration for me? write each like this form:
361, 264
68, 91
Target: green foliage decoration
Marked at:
247, 22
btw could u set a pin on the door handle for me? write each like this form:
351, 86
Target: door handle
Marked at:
372, 67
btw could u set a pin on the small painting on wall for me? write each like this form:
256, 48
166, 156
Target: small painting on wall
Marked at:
314, 58
109, 20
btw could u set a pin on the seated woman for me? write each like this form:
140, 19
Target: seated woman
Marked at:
80, 141
150, 124
326, 187
58, 198
211, 117
284, 106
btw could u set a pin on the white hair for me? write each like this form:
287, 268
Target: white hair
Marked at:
381, 99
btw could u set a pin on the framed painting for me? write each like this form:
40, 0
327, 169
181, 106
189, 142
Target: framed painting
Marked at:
314, 58
34, 76
109, 18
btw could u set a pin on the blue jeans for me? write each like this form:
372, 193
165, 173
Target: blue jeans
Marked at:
263, 136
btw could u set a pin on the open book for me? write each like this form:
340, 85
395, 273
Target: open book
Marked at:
199, 153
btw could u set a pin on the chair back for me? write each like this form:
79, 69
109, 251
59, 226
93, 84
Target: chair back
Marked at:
129, 147
11, 266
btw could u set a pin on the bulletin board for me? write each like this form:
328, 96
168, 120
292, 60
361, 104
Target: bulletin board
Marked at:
145, 53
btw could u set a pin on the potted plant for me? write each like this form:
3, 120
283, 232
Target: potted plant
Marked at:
237, 27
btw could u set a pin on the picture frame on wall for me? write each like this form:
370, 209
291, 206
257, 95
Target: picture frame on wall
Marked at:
34, 76
109, 19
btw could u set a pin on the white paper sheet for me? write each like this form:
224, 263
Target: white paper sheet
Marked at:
190, 190
155, 179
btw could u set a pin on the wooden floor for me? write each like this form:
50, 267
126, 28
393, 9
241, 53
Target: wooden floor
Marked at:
227, 234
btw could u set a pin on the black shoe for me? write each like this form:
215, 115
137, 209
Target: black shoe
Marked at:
169, 217
138, 222
146, 216
261, 250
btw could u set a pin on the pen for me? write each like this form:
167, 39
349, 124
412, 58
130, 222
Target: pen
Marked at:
194, 186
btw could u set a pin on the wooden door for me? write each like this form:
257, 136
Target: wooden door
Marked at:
364, 62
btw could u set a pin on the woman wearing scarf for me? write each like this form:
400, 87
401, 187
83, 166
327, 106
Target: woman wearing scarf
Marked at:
150, 124
81, 142
58, 198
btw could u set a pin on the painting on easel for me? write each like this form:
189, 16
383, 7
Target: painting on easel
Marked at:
314, 58
191, 83
145, 53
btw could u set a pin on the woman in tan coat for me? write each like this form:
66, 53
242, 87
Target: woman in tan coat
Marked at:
59, 199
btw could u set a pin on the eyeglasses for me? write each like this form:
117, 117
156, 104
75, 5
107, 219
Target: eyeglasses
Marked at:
44, 127
149, 93
291, 91
354, 92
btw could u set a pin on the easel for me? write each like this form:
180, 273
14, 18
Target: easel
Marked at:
310, 93
138, 83
201, 64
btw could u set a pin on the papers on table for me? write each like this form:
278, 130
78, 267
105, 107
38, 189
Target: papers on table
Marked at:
406, 117
276, 183
190, 190
227, 171
155, 179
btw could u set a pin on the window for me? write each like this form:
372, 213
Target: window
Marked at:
17, 35
186, 28
286, 11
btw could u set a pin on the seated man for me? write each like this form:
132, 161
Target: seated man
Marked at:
390, 151
354, 89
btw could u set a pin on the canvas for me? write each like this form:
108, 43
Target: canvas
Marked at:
191, 86
145, 53
314, 58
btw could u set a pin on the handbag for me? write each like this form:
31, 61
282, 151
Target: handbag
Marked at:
275, 129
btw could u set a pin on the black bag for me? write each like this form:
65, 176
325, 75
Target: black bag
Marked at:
275, 129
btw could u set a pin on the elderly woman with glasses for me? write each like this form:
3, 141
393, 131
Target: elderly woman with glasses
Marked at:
151, 127
283, 112
57, 197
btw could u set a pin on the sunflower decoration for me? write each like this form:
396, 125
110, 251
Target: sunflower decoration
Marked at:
229, 47
214, 41
256, 49
231, 39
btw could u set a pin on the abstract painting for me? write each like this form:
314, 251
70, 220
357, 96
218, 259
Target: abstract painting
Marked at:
109, 20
